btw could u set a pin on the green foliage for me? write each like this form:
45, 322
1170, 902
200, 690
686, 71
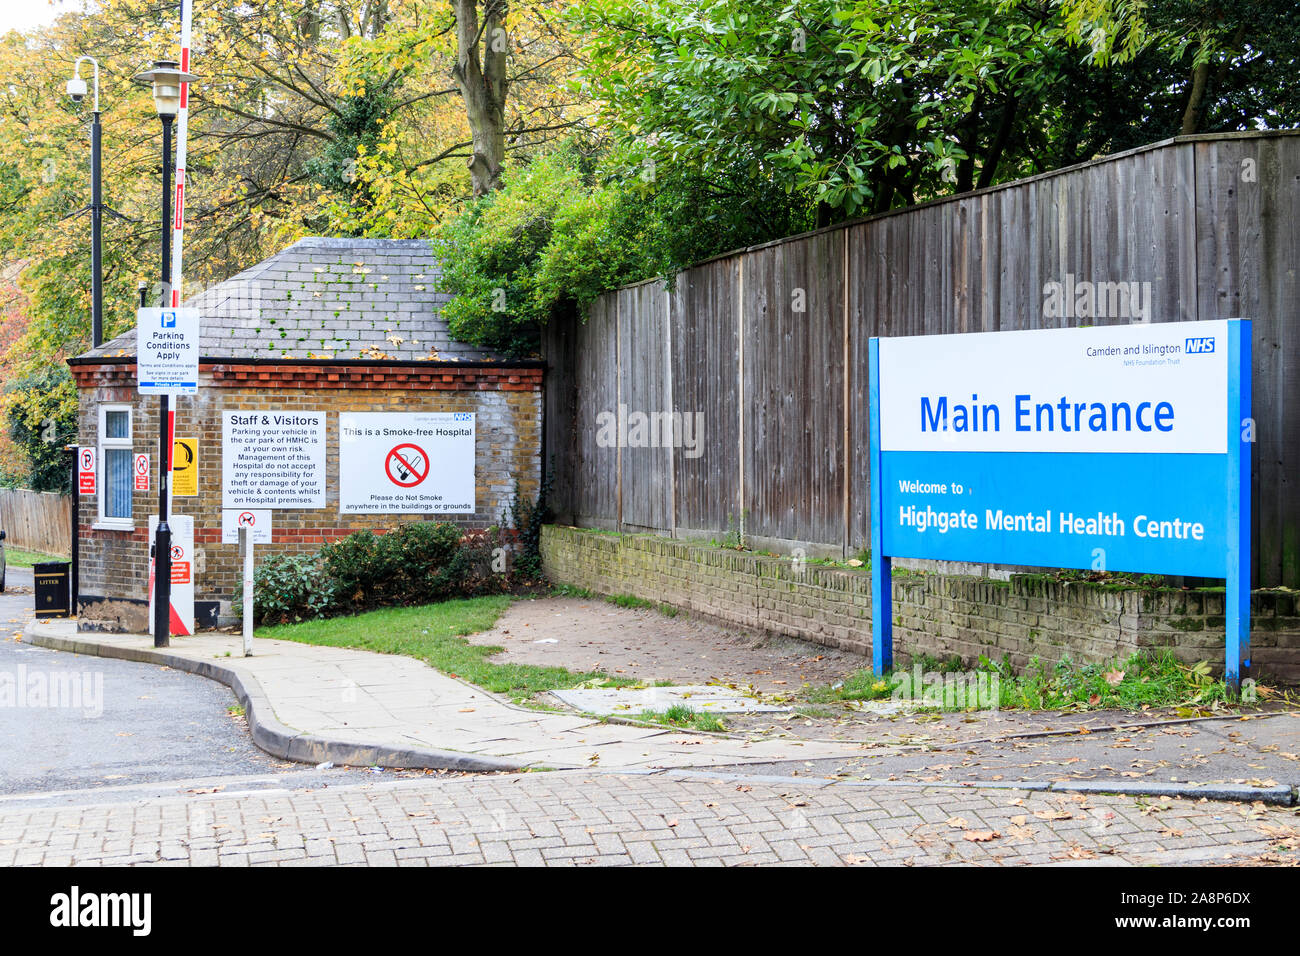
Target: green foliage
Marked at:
1141, 681
413, 564
683, 715
417, 563
577, 222
527, 518
863, 106
490, 255
356, 129
291, 587
42, 415
630, 601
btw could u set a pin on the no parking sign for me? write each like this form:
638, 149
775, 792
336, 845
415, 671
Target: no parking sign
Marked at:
86, 471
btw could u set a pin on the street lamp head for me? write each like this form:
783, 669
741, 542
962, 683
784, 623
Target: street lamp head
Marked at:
166, 78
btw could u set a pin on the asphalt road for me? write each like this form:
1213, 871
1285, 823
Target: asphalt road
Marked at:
136, 723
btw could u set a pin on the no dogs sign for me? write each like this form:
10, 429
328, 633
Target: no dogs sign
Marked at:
417, 463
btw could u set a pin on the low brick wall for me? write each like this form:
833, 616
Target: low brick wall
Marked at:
1028, 616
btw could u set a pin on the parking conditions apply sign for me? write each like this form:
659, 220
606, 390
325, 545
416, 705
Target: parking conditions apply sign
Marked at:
415, 463
1115, 448
167, 351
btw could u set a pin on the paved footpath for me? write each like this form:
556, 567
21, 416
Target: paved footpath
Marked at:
356, 707
592, 818
627, 796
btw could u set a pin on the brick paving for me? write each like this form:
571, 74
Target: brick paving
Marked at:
610, 819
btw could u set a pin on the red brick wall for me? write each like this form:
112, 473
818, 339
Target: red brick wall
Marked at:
114, 564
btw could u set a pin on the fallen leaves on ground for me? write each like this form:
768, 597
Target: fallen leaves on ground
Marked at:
1051, 815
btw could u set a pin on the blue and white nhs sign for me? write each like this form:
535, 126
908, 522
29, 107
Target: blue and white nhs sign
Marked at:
1106, 449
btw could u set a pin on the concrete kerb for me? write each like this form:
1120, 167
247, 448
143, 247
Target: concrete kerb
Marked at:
281, 741
268, 733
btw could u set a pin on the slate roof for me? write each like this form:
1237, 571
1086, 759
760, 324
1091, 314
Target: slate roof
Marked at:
323, 298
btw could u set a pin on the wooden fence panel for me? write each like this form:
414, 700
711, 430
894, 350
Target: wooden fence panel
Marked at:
644, 401
794, 390
1197, 228
595, 466
36, 521
704, 309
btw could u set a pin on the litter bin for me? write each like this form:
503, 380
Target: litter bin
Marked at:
52, 591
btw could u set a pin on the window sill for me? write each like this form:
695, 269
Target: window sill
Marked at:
127, 526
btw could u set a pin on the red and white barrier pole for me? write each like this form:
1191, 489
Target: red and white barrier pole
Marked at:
178, 204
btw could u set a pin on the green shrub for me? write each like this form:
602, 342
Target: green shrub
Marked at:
291, 587
361, 568
426, 560
414, 563
417, 563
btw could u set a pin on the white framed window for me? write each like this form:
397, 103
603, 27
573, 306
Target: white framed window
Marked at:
116, 460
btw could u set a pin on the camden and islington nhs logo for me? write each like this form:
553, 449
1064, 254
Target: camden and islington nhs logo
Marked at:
1202, 345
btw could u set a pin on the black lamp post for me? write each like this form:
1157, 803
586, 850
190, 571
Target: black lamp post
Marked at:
77, 91
166, 78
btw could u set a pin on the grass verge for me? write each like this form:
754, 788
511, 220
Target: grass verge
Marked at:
680, 715
18, 558
434, 633
1140, 682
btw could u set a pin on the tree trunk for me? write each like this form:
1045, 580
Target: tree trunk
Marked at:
1192, 115
994, 156
480, 75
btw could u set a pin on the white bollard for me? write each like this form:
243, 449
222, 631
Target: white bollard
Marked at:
246, 550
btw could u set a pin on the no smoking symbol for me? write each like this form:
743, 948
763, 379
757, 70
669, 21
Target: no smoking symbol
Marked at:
407, 465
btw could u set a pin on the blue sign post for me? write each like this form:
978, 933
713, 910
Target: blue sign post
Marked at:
1119, 448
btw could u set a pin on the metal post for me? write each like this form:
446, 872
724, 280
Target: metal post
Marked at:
96, 220
75, 583
882, 613
163, 538
246, 550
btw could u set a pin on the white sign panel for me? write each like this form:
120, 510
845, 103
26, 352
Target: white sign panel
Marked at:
167, 351
1122, 388
415, 463
257, 522
182, 594
273, 459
